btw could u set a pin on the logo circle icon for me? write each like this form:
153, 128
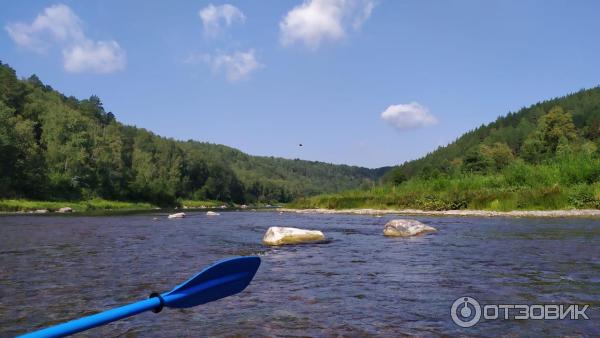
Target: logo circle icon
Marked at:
465, 311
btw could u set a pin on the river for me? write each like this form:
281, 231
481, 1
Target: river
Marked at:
59, 267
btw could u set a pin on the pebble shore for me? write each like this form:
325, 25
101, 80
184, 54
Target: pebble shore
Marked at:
474, 213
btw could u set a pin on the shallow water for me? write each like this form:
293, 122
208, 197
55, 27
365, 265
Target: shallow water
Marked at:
56, 268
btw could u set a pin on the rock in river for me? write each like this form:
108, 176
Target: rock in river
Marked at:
212, 213
283, 235
65, 209
177, 215
406, 228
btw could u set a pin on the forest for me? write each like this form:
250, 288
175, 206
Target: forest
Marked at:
541, 157
59, 148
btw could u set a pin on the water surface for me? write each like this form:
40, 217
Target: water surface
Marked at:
56, 268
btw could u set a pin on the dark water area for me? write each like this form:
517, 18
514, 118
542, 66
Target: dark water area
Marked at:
57, 268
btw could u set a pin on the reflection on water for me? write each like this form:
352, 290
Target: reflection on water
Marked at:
359, 284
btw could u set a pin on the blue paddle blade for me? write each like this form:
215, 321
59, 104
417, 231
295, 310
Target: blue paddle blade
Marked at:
221, 279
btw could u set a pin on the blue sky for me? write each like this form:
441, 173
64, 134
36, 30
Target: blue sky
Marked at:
265, 76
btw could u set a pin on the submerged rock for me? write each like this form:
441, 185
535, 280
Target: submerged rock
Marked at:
177, 215
406, 228
283, 235
212, 213
65, 210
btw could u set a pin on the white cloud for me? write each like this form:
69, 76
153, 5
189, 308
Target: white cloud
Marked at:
235, 66
59, 25
215, 17
316, 21
408, 116
56, 22
99, 57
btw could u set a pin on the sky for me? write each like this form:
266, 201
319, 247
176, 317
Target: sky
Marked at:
361, 82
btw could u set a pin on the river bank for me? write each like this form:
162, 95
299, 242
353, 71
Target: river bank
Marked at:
594, 213
22, 205
32, 206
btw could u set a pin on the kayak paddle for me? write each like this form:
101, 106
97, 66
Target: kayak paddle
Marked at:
219, 280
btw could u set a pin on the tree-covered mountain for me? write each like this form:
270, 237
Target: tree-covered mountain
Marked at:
54, 146
541, 157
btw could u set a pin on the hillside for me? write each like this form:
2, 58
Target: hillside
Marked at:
542, 157
512, 130
57, 147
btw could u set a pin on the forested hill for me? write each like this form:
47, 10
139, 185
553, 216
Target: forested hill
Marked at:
58, 147
532, 134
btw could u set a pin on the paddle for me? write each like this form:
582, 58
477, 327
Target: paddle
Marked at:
221, 279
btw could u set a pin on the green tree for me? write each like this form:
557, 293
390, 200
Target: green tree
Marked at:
532, 149
555, 125
497, 155
475, 161
21, 162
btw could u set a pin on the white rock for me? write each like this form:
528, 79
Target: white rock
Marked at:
41, 211
212, 213
243, 206
406, 228
177, 215
65, 209
283, 235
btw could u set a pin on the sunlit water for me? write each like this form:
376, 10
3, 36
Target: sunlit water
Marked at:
56, 268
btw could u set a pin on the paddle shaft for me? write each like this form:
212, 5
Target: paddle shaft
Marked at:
98, 319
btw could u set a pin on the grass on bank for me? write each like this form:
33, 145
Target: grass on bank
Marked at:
98, 204
13, 205
200, 204
573, 183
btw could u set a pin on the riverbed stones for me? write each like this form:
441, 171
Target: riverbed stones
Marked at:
285, 235
406, 228
41, 211
212, 213
177, 215
65, 210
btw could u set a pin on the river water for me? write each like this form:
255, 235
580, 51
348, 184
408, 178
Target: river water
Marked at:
360, 283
